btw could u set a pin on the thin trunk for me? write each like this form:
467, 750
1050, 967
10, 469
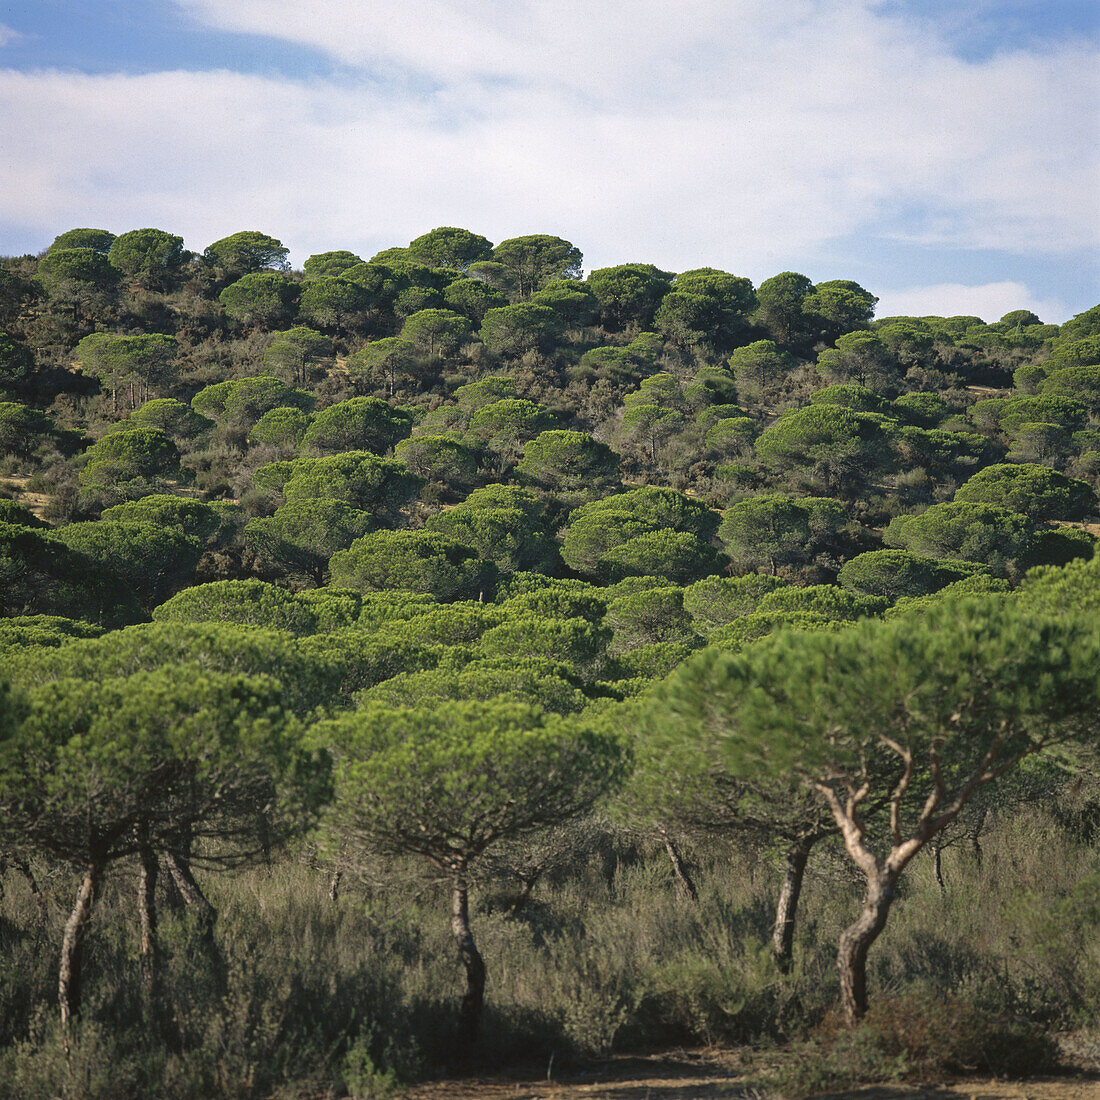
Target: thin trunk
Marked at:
147, 910
334, 883
685, 887
787, 907
191, 893
469, 1015
856, 941
937, 866
68, 980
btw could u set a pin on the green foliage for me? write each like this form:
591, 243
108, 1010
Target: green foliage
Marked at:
309, 677
281, 427
181, 751
332, 302
246, 603
68, 269
14, 514
529, 263
894, 574
590, 536
782, 300
502, 427
447, 783
23, 430
829, 601
436, 332
194, 518
16, 364
759, 368
450, 247
240, 403
152, 257
677, 556
572, 301
142, 363
513, 539
629, 294
1035, 491
646, 618
983, 533
717, 601
262, 299
40, 575
178, 421
772, 529
825, 447
473, 299
420, 561
360, 424
635, 361
147, 559
98, 240
245, 252
705, 306
839, 306
475, 395
132, 457
569, 462
577, 642
442, 460
295, 355
742, 632
379, 486
300, 538
512, 330
532, 682
658, 507
330, 263
1052, 590
862, 359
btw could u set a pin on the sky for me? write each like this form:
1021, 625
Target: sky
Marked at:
942, 153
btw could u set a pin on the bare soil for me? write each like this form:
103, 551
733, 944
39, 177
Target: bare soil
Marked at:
715, 1074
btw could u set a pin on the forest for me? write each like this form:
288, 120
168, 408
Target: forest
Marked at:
454, 660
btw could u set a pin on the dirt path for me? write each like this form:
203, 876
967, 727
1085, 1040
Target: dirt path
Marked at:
716, 1075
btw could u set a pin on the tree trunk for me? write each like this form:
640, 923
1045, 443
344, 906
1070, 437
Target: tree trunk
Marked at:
68, 980
334, 883
685, 887
856, 941
147, 910
937, 867
787, 907
470, 1013
191, 893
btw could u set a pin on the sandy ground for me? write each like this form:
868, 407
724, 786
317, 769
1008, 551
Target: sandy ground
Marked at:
710, 1075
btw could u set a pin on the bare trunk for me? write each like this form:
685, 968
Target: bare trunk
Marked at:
191, 893
470, 1013
856, 941
685, 887
787, 907
334, 883
68, 979
937, 867
147, 910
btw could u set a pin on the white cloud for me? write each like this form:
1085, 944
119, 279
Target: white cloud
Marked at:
8, 35
990, 301
748, 136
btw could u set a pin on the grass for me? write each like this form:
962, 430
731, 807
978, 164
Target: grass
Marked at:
355, 997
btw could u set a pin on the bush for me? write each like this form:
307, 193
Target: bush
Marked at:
917, 1037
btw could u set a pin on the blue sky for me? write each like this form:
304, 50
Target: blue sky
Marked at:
943, 153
